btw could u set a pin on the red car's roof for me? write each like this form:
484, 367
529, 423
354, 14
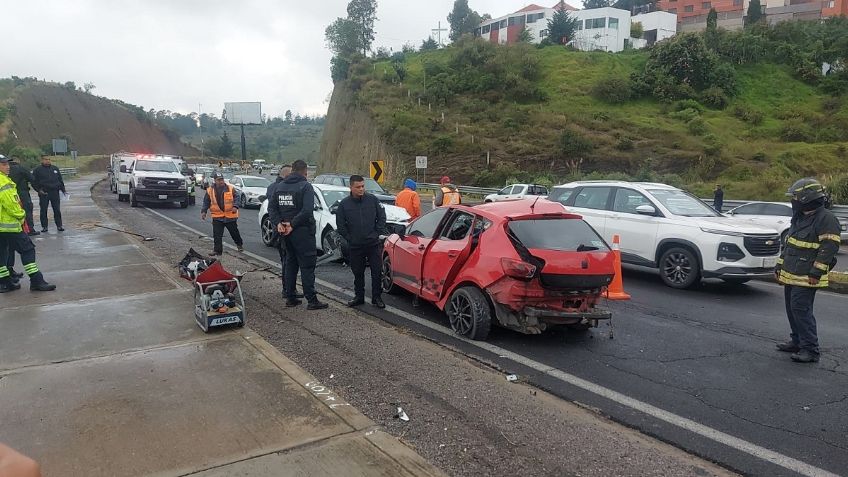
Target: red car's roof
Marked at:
523, 208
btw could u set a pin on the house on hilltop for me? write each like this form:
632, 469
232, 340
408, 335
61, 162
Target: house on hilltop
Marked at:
605, 29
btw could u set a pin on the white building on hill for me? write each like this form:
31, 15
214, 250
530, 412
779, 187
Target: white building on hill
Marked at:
604, 29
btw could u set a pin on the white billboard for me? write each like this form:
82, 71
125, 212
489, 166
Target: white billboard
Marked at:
243, 113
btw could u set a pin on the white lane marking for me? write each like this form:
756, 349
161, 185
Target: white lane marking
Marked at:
715, 435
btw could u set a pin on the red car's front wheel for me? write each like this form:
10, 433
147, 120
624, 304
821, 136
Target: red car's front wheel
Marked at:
387, 281
469, 313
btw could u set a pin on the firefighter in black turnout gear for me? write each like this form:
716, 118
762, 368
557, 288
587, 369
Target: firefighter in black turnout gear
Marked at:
809, 254
361, 220
291, 205
48, 182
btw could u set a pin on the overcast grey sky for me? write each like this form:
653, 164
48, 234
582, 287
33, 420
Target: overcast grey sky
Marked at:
177, 54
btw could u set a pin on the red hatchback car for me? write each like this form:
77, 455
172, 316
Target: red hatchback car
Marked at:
526, 264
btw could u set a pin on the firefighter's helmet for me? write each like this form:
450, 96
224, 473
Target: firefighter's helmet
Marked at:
806, 190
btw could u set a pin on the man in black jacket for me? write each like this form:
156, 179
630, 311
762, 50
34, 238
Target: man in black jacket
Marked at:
291, 205
48, 182
22, 179
361, 220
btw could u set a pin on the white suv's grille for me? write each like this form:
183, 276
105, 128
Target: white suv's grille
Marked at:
762, 245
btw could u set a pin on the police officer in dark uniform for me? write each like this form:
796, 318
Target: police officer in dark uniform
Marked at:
48, 182
808, 255
361, 221
22, 179
291, 205
278, 240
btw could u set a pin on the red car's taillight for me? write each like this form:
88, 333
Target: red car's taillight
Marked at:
518, 268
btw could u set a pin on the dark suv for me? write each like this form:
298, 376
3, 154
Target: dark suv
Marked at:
371, 186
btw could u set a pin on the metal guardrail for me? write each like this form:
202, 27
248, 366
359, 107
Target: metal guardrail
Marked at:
462, 189
68, 171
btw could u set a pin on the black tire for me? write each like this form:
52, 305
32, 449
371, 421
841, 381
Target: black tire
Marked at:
330, 239
469, 313
387, 281
133, 202
266, 231
736, 281
184, 204
679, 268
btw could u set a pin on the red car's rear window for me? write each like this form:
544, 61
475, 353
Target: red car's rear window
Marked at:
557, 234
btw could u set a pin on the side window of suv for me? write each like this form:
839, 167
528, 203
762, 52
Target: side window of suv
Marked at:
560, 194
626, 201
592, 198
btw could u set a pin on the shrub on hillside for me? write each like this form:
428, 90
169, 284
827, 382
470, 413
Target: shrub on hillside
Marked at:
572, 144
697, 126
714, 97
685, 115
612, 90
829, 105
796, 130
441, 144
748, 115
688, 104
624, 144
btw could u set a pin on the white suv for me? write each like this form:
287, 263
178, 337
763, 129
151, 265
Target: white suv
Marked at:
666, 228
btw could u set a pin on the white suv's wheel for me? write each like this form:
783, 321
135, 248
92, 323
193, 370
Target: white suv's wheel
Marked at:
267, 231
679, 268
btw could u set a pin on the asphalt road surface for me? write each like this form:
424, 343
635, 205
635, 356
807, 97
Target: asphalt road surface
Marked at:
695, 368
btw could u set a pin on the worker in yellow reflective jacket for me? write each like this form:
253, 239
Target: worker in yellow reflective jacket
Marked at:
808, 255
12, 237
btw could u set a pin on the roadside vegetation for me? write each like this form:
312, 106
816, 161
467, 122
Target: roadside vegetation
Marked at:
749, 109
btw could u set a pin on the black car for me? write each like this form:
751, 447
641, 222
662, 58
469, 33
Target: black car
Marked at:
371, 186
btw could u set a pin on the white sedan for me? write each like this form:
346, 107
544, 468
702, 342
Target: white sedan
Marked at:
251, 188
326, 238
776, 215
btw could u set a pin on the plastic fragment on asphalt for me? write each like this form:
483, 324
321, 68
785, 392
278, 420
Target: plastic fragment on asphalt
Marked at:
511, 378
806, 408
332, 376
401, 414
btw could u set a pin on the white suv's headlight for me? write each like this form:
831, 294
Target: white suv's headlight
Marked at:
722, 232
183, 184
139, 184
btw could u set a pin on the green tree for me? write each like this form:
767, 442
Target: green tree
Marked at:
525, 36
342, 38
462, 19
561, 26
587, 4
363, 14
755, 12
636, 30
712, 20
429, 44
225, 149
288, 116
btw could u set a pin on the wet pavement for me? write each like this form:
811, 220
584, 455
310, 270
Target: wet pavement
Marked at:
110, 376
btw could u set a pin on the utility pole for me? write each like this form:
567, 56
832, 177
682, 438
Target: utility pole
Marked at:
438, 31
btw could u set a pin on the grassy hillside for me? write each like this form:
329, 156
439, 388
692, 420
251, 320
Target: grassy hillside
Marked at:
534, 111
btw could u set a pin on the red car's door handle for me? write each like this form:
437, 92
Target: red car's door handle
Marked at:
421, 247
452, 254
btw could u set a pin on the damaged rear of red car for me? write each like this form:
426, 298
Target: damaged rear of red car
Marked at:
526, 265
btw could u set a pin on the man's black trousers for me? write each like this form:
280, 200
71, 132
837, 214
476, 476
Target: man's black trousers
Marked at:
799, 310
357, 257
51, 198
218, 227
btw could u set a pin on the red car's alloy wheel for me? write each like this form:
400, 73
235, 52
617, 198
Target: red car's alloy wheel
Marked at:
469, 313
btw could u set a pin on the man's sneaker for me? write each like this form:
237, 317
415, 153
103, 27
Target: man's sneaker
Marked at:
214, 253
9, 287
44, 230
356, 302
293, 303
60, 229
240, 248
805, 356
43, 286
33, 233
317, 305
378, 302
788, 347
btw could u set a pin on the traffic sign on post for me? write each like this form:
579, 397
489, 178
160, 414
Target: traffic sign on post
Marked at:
420, 162
377, 171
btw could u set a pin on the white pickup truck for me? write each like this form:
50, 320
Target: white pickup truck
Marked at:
156, 180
